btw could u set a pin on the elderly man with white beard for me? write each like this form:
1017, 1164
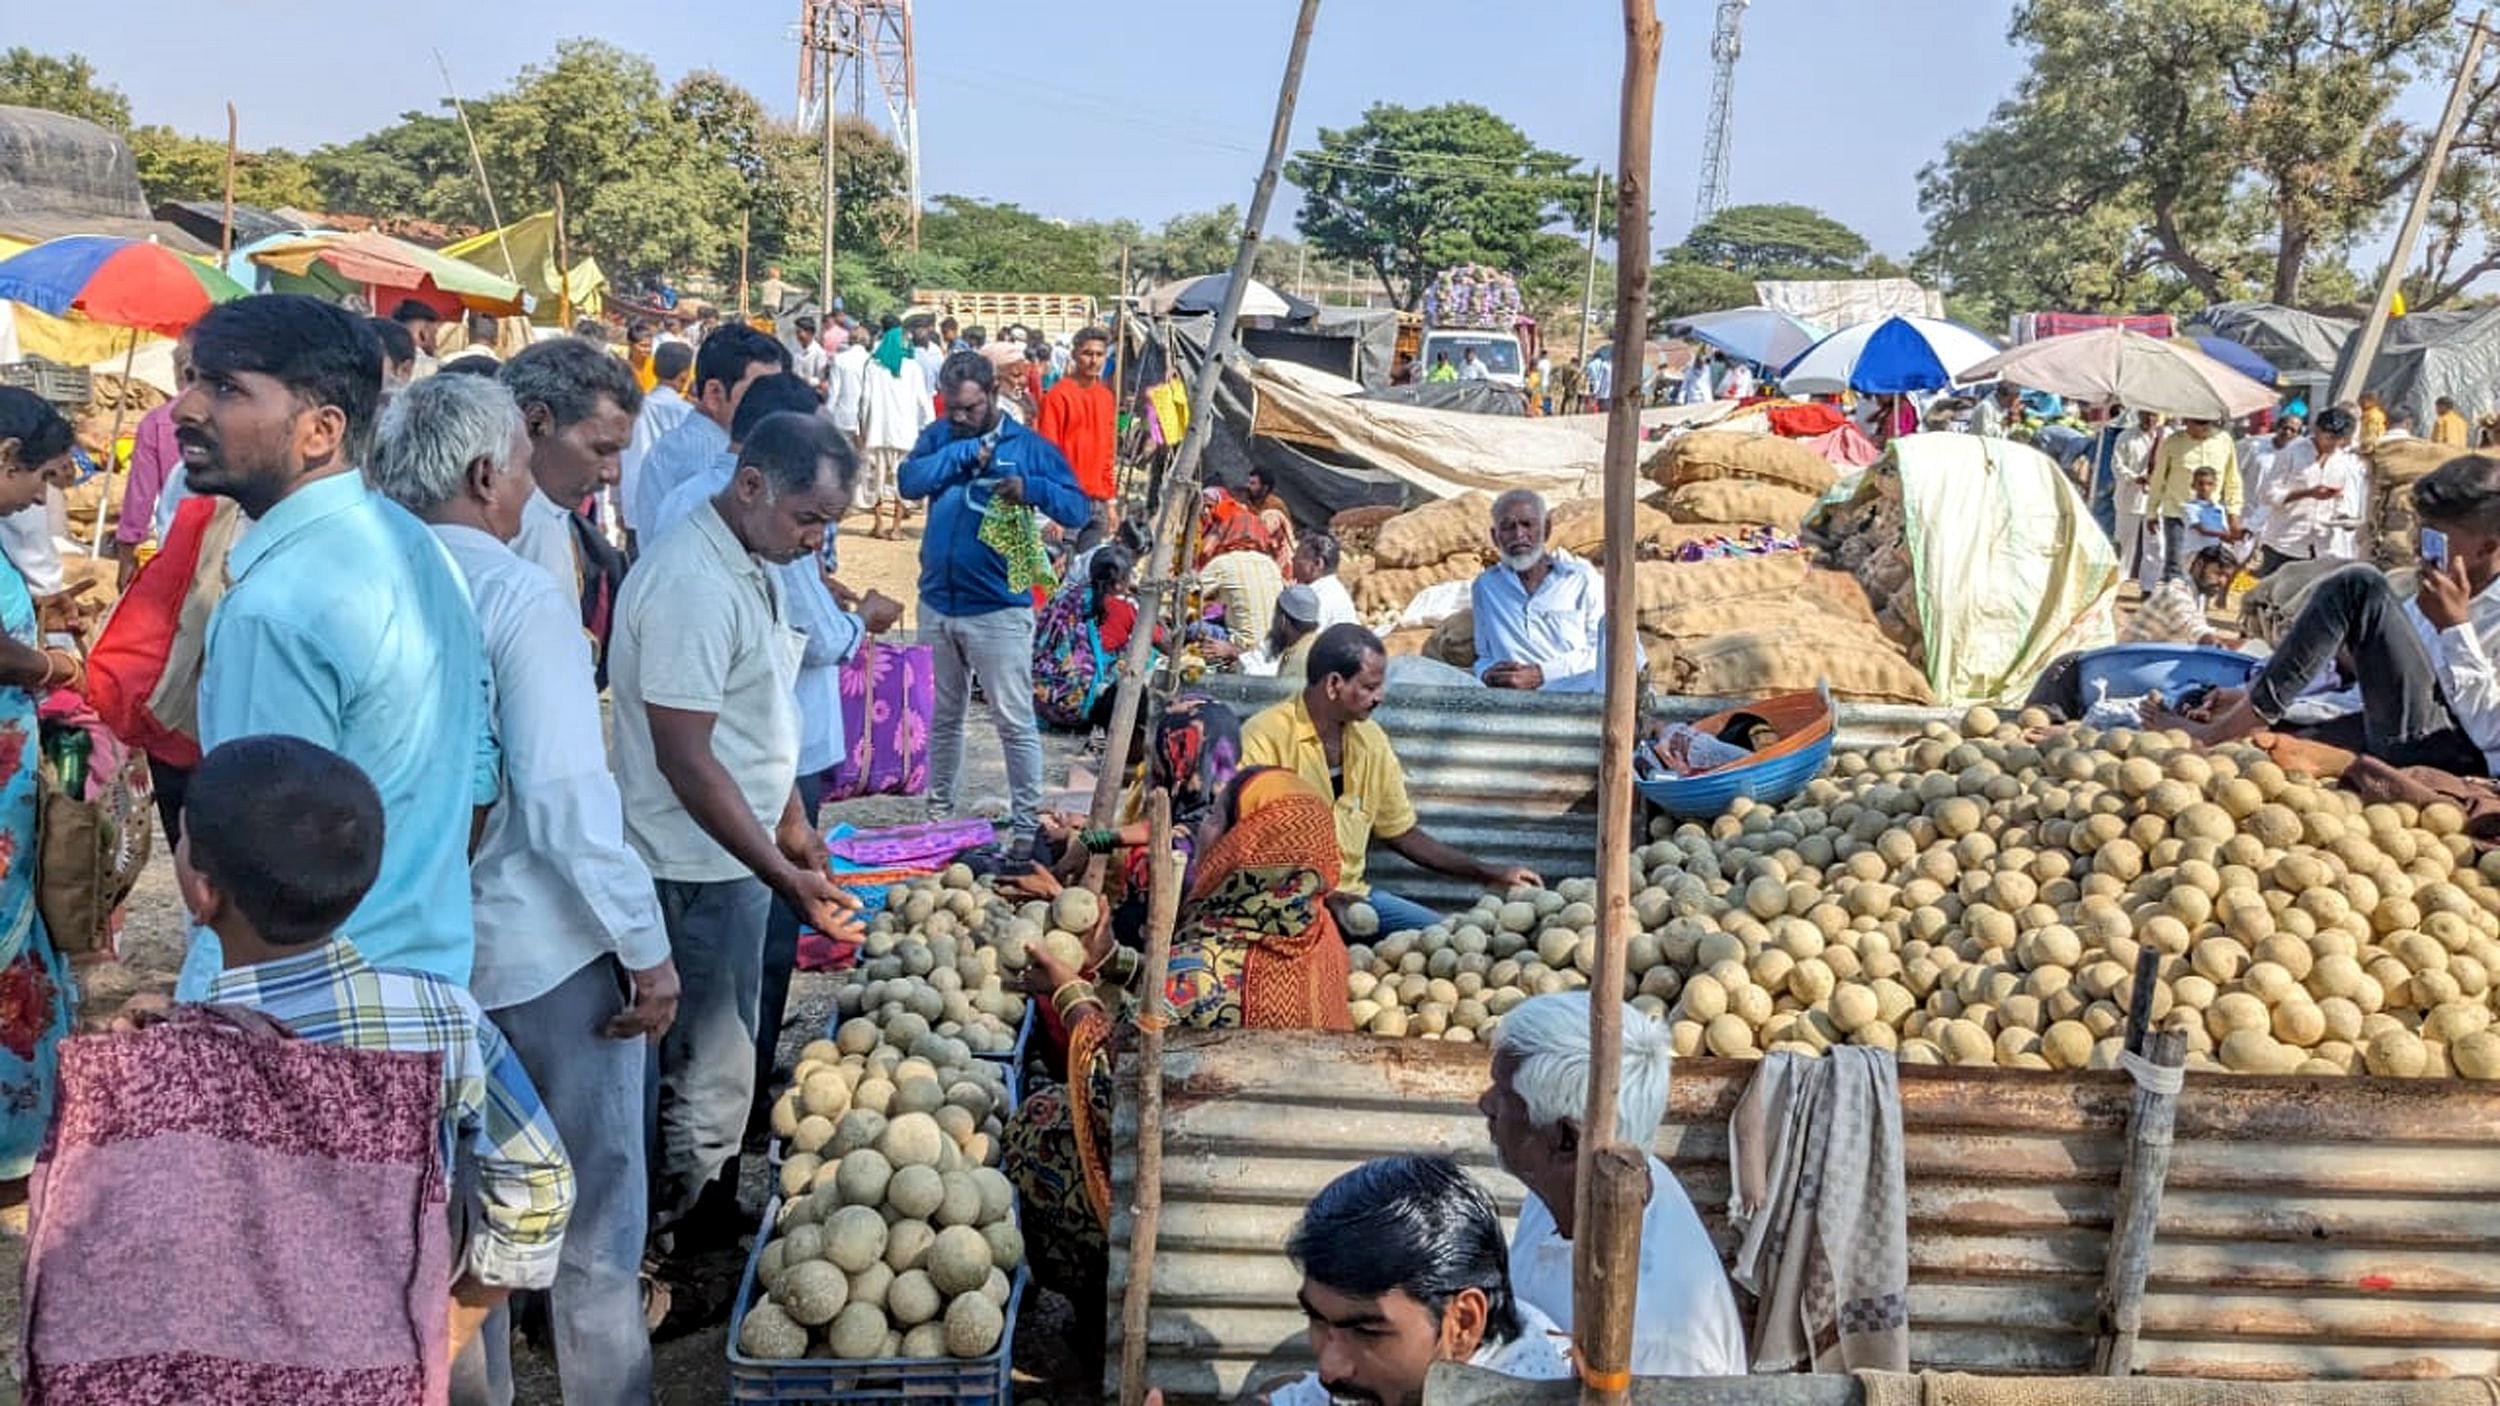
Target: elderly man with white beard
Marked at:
1540, 613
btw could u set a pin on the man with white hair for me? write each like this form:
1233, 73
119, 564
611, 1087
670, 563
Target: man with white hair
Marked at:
1684, 1317
1540, 613
572, 958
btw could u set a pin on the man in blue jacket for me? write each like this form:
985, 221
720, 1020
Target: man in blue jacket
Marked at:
982, 628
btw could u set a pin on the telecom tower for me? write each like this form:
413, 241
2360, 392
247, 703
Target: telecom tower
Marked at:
1727, 41
849, 48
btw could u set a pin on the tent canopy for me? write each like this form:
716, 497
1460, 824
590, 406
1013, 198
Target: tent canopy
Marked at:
1188, 297
531, 246
61, 176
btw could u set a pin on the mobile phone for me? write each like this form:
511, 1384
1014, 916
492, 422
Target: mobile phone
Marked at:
2434, 547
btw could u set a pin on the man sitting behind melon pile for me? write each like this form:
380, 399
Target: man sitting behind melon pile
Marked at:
1540, 613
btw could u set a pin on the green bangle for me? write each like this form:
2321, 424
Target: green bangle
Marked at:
1100, 841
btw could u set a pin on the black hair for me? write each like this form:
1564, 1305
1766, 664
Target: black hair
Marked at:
1132, 534
589, 327
570, 376
888, 323
671, 360
965, 366
781, 393
975, 335
1324, 545
1037, 351
479, 366
1262, 475
398, 343
1340, 652
1103, 575
411, 310
288, 830
1417, 1224
322, 353
2465, 491
791, 449
2214, 556
730, 350
947, 322
638, 328
804, 323
41, 433
1091, 334
2334, 420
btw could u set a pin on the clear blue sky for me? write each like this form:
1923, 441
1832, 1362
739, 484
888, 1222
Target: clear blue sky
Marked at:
1137, 109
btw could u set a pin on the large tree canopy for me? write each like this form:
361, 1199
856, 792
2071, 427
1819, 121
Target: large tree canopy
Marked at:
1409, 191
2161, 150
64, 83
1716, 265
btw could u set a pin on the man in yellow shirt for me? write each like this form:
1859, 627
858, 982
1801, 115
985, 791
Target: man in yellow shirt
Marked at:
2450, 428
1325, 734
2199, 444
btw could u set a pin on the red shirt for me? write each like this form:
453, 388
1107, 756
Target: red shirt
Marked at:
1081, 422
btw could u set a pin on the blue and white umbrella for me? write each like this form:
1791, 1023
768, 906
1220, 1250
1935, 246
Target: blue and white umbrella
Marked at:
1764, 336
1888, 357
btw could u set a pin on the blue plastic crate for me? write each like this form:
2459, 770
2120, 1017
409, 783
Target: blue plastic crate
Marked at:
1013, 1055
975, 1381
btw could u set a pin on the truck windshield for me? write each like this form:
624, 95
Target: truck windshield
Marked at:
1499, 354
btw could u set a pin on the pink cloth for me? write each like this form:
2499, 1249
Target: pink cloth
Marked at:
283, 1252
153, 456
1847, 446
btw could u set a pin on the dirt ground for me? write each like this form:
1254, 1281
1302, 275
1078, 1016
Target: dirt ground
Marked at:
689, 1370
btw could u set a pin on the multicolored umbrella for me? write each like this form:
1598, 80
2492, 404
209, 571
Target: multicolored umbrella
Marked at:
1888, 357
116, 281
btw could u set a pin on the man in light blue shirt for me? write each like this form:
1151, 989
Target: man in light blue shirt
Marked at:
346, 625
728, 361
1540, 613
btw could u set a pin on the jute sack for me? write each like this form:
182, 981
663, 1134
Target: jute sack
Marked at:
1665, 585
1578, 526
1705, 455
1355, 528
1859, 664
1453, 641
2395, 461
1733, 500
1391, 588
1436, 531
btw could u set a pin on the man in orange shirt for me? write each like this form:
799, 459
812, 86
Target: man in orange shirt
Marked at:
1081, 421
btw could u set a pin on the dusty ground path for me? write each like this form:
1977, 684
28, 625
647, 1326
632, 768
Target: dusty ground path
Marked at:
689, 1370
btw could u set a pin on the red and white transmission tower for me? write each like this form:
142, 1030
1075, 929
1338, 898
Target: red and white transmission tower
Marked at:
849, 49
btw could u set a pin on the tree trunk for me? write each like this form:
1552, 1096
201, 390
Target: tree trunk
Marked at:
2174, 251
2291, 259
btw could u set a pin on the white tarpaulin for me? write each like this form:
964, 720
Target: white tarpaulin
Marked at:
1846, 302
2011, 570
1443, 453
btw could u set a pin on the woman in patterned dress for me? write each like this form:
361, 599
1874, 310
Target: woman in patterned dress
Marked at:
36, 997
1254, 948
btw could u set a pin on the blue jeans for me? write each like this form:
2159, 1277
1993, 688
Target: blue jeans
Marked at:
707, 1059
996, 650
592, 1087
1400, 915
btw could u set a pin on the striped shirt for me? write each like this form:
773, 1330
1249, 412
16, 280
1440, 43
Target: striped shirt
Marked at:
490, 1109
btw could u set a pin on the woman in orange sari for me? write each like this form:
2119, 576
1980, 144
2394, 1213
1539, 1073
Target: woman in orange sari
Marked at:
1254, 948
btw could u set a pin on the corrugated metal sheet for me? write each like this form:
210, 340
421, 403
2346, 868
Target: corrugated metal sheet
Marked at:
1513, 776
2342, 1228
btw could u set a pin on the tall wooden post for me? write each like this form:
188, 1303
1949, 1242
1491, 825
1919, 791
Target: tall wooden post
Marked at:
225, 226
1588, 289
2356, 373
564, 268
1180, 486
1162, 910
1606, 1241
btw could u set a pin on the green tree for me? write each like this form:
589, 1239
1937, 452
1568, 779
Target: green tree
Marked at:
1201, 241
1680, 286
596, 120
1004, 248
1408, 191
2163, 149
414, 169
176, 167
1779, 241
64, 83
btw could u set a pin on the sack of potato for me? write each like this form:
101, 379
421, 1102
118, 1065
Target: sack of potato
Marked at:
1386, 591
1436, 532
1357, 528
1578, 526
1706, 455
1799, 651
1740, 501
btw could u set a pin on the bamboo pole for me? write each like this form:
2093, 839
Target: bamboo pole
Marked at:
2149, 1124
1606, 1243
113, 446
477, 162
1588, 289
225, 226
564, 268
1180, 486
1162, 911
2355, 375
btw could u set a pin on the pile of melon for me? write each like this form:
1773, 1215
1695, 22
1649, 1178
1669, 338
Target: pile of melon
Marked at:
936, 952
893, 1239
1979, 897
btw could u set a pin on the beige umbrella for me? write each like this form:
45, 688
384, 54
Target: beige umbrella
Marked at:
2112, 364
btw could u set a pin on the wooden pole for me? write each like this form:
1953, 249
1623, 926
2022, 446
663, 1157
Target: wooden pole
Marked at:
2355, 375
225, 227
1606, 1242
746, 233
1180, 486
2140, 1182
113, 446
477, 162
1588, 289
564, 268
1162, 911
824, 281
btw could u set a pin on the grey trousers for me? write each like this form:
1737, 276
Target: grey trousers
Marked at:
996, 650
707, 1059
593, 1089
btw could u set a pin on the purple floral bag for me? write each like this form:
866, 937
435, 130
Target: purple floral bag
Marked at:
888, 694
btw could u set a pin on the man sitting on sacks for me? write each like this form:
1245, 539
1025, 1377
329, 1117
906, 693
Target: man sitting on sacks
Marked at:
1540, 613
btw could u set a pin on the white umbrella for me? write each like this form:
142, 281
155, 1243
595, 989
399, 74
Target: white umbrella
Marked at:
1888, 357
1205, 293
2139, 372
1765, 336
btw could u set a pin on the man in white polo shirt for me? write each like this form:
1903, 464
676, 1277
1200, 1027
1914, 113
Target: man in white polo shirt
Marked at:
702, 667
